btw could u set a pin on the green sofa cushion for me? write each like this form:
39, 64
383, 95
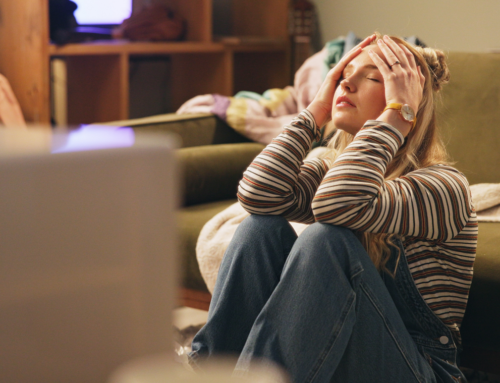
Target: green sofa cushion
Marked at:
480, 326
212, 172
191, 221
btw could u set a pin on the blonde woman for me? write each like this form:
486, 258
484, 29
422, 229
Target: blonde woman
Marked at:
376, 288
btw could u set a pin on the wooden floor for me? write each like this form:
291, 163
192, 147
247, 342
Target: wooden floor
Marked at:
195, 299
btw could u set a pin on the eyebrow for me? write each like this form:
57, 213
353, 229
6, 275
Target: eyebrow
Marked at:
367, 66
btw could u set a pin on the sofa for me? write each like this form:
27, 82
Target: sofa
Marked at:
213, 157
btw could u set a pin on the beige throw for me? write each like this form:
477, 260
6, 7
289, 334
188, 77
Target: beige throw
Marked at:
486, 199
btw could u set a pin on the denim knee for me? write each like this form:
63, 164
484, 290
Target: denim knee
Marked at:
263, 224
262, 235
320, 231
328, 244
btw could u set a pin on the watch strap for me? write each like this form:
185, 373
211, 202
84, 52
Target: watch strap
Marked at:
397, 106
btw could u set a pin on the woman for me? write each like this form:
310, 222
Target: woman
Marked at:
375, 289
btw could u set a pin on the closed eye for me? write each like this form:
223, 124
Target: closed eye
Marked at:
373, 79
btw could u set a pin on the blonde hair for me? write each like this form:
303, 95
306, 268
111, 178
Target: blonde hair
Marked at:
423, 146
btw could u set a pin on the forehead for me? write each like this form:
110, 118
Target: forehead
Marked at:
364, 58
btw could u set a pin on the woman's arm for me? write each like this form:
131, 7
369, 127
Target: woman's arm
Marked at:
278, 182
432, 203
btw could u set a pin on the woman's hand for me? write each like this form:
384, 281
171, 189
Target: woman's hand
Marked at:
321, 106
403, 79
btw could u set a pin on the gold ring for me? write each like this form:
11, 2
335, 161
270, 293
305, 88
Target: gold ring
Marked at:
396, 62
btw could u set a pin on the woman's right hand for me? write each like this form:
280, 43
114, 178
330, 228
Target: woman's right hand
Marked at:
321, 106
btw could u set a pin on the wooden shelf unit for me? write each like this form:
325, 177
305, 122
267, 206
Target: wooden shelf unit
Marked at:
98, 72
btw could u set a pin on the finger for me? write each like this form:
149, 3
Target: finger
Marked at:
411, 58
389, 54
366, 41
396, 49
350, 56
381, 65
355, 51
337, 70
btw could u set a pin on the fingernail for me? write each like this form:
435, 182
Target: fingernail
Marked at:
380, 41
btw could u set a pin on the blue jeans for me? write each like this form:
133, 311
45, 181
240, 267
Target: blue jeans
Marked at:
317, 306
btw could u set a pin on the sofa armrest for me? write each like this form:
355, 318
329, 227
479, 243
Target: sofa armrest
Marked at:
193, 129
212, 172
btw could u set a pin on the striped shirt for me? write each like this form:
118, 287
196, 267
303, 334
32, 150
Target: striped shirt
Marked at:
430, 208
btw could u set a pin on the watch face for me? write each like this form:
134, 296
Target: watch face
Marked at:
407, 113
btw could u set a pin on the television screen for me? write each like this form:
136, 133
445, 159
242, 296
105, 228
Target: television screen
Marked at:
102, 12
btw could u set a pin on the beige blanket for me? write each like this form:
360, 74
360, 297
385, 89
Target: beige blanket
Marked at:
486, 199
218, 232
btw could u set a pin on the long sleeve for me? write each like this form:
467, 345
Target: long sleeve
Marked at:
432, 203
279, 182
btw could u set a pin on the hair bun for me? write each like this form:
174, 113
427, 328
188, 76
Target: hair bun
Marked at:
436, 61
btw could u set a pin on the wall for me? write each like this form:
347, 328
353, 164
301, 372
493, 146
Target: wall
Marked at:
453, 25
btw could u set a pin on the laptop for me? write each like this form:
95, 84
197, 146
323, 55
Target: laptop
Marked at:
88, 251
97, 18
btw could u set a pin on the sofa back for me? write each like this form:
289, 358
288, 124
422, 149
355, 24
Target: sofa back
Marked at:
193, 129
469, 115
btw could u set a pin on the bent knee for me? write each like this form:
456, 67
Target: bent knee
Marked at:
322, 230
265, 221
264, 224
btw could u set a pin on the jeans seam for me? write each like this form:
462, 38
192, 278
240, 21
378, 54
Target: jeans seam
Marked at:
356, 273
394, 337
333, 338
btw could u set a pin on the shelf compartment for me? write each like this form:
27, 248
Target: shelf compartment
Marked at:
259, 71
198, 74
98, 88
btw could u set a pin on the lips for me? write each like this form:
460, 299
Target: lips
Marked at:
343, 101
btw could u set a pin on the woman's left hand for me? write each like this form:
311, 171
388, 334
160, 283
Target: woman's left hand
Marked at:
403, 79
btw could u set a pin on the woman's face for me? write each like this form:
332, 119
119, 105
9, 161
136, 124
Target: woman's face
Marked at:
360, 95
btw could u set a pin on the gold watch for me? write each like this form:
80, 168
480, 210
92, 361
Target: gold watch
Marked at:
405, 111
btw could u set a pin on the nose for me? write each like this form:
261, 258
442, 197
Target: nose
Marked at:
348, 85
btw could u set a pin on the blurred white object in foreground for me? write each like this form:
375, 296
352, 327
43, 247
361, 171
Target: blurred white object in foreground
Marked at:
88, 252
